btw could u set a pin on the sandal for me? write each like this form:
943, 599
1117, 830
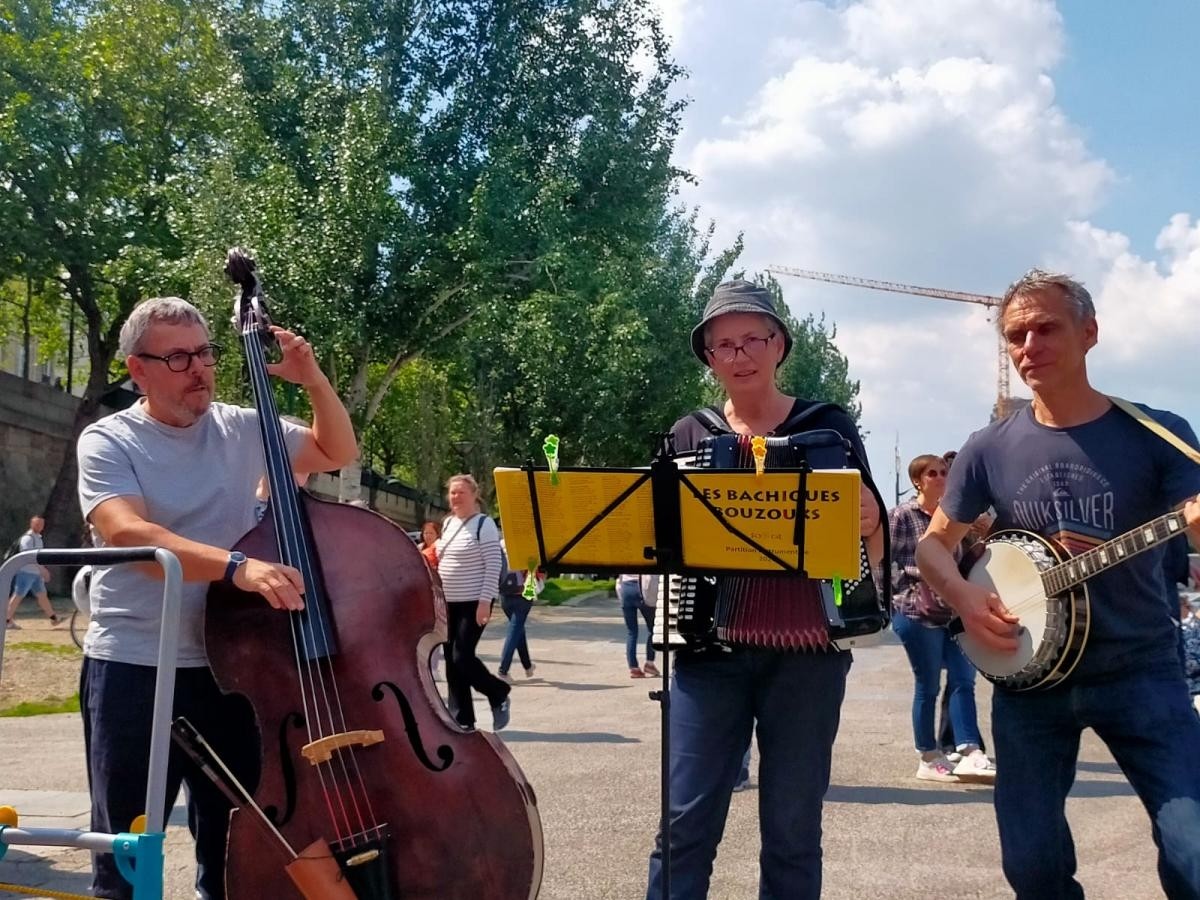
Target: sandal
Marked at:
636, 673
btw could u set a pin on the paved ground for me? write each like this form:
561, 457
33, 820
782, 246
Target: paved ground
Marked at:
587, 737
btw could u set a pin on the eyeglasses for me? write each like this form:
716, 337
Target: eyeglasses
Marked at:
181, 360
727, 353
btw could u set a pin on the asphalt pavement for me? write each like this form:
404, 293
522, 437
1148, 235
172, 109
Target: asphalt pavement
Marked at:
587, 737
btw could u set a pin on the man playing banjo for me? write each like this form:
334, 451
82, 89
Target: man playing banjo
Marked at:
1077, 469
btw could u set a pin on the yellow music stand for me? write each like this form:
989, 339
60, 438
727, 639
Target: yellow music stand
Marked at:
664, 518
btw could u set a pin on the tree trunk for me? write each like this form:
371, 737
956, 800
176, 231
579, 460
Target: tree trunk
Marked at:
350, 481
64, 523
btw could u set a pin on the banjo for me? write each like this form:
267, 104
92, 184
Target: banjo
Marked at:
1042, 584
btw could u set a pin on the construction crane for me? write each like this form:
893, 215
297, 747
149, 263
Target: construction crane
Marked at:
1002, 381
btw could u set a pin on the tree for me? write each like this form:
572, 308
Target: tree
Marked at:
816, 369
416, 166
97, 145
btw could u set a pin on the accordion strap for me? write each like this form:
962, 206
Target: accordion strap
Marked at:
712, 419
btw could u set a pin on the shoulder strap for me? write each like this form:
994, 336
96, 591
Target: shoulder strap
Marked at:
712, 420
1166, 434
480, 519
716, 424
789, 425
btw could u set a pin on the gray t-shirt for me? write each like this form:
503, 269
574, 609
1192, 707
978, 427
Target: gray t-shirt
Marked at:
1082, 486
197, 482
31, 540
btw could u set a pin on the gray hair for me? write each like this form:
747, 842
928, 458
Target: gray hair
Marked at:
171, 310
1036, 280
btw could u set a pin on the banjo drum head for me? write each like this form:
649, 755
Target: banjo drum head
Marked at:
1005, 569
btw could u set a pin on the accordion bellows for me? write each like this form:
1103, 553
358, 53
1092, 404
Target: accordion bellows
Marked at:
773, 612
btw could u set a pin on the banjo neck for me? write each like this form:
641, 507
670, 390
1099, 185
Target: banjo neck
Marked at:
1061, 578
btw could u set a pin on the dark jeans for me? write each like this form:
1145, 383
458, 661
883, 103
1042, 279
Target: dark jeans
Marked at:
465, 670
715, 700
929, 649
1146, 719
117, 700
516, 608
632, 605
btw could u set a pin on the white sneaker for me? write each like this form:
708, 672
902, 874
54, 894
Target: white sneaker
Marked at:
936, 769
976, 766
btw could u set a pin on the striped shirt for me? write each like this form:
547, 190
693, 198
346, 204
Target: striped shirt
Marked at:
469, 559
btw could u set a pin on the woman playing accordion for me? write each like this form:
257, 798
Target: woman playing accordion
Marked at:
719, 692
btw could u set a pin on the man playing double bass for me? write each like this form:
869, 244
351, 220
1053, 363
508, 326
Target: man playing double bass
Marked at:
179, 471
1075, 467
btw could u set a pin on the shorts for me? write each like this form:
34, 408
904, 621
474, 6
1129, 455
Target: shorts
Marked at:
26, 583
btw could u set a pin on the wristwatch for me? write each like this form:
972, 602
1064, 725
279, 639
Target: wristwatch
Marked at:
236, 558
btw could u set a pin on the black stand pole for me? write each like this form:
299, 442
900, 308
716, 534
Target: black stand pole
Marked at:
664, 474
663, 698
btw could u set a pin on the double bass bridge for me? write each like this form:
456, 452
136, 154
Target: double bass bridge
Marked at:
322, 750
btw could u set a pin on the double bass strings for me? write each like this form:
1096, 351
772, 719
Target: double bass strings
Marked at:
308, 631
287, 514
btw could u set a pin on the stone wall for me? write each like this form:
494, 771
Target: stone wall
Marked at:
35, 429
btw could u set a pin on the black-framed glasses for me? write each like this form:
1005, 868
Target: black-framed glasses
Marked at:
181, 360
727, 353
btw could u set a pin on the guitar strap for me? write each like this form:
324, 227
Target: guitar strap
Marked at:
1164, 433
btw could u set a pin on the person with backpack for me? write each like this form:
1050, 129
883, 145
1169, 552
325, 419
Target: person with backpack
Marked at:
516, 608
469, 564
32, 578
791, 699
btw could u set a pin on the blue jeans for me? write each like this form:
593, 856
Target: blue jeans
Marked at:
929, 649
1145, 717
632, 605
516, 609
715, 700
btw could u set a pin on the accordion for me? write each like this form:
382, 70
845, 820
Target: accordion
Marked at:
774, 612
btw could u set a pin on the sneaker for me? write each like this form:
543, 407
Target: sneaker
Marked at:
936, 769
953, 756
976, 766
56, 620
505, 677
635, 672
13, 626
741, 786
501, 715
651, 669
529, 671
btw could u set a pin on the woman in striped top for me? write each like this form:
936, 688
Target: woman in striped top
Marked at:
468, 554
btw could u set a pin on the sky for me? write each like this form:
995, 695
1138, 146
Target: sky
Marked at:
955, 144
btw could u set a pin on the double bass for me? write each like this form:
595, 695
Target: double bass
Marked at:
360, 758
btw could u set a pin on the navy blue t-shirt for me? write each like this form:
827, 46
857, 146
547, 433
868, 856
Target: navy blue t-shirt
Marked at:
1082, 486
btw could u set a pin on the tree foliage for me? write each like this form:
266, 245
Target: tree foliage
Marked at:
97, 144
468, 206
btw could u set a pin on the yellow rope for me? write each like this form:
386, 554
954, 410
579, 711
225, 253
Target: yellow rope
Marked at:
42, 892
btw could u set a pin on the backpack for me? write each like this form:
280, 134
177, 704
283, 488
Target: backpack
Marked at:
15, 547
510, 580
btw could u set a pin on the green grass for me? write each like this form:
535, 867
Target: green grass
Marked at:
44, 707
44, 647
560, 590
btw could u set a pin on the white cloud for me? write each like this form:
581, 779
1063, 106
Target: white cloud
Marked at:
921, 142
1149, 310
